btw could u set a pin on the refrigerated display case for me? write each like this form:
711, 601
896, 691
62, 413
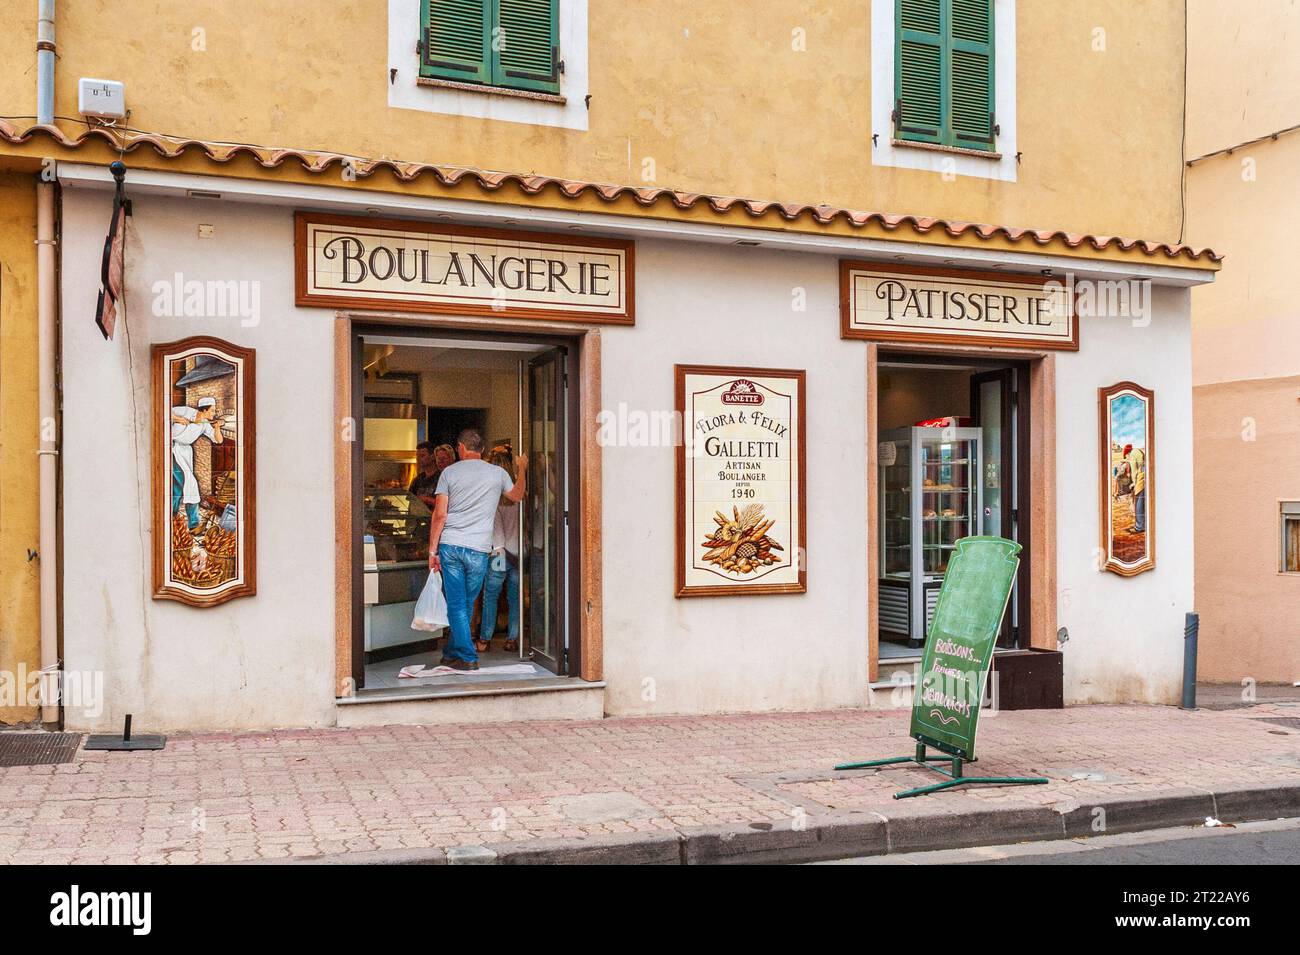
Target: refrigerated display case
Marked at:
399, 522
396, 565
930, 498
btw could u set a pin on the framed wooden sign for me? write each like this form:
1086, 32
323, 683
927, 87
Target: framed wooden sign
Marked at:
363, 262
1127, 480
203, 484
741, 487
907, 303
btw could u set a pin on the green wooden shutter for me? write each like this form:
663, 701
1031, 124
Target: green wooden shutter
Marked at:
525, 45
919, 101
455, 40
971, 85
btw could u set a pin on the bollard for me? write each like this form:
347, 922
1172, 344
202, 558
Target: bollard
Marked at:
1190, 631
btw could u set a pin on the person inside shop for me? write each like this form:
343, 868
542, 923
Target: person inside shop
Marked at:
460, 536
430, 462
503, 564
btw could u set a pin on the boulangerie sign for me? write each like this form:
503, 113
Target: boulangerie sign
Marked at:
348, 261
899, 303
740, 481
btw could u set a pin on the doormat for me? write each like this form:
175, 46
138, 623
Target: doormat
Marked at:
38, 749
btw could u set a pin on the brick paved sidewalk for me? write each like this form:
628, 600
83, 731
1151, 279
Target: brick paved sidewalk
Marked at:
250, 796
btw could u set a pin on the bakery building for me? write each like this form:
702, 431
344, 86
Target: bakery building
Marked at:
750, 453
756, 427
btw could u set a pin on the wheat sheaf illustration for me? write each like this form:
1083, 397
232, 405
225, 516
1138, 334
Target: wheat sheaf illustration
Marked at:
739, 544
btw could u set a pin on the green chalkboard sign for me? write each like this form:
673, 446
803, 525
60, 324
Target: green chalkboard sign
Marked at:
959, 647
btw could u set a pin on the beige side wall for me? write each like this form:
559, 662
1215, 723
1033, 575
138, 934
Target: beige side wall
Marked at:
1246, 320
19, 518
1248, 459
1244, 82
1242, 71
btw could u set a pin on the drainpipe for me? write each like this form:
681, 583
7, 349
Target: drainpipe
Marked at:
47, 336
45, 63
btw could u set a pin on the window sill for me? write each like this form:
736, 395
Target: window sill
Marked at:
491, 90
940, 148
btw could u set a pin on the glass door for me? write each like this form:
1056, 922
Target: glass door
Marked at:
991, 408
546, 512
895, 457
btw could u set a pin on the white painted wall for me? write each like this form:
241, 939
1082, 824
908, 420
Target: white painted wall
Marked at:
719, 305
269, 660
1126, 634
259, 661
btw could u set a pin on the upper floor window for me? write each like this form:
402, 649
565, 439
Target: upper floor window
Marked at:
510, 44
943, 73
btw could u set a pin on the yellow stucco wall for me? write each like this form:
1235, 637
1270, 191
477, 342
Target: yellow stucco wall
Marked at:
19, 597
714, 93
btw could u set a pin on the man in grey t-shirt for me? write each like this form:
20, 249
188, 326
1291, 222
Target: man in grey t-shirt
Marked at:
460, 537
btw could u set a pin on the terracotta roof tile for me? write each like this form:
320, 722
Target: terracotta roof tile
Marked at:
316, 162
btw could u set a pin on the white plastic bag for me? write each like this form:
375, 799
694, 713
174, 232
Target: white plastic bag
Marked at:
431, 608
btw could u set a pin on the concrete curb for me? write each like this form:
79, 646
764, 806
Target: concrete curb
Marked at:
905, 828
1174, 807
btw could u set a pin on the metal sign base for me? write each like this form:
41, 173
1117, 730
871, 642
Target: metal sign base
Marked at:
955, 778
111, 742
125, 742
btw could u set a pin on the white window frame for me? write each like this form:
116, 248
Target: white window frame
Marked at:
492, 103
884, 151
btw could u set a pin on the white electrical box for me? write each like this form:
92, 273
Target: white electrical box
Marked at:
103, 98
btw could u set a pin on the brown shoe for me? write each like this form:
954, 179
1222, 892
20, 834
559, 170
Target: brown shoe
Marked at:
462, 664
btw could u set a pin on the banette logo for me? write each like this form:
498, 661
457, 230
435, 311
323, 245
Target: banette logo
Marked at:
742, 392
75, 907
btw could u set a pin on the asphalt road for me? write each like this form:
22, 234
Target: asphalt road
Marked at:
1276, 842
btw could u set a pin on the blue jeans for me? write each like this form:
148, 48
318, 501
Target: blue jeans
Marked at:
1140, 511
463, 571
500, 572
191, 510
